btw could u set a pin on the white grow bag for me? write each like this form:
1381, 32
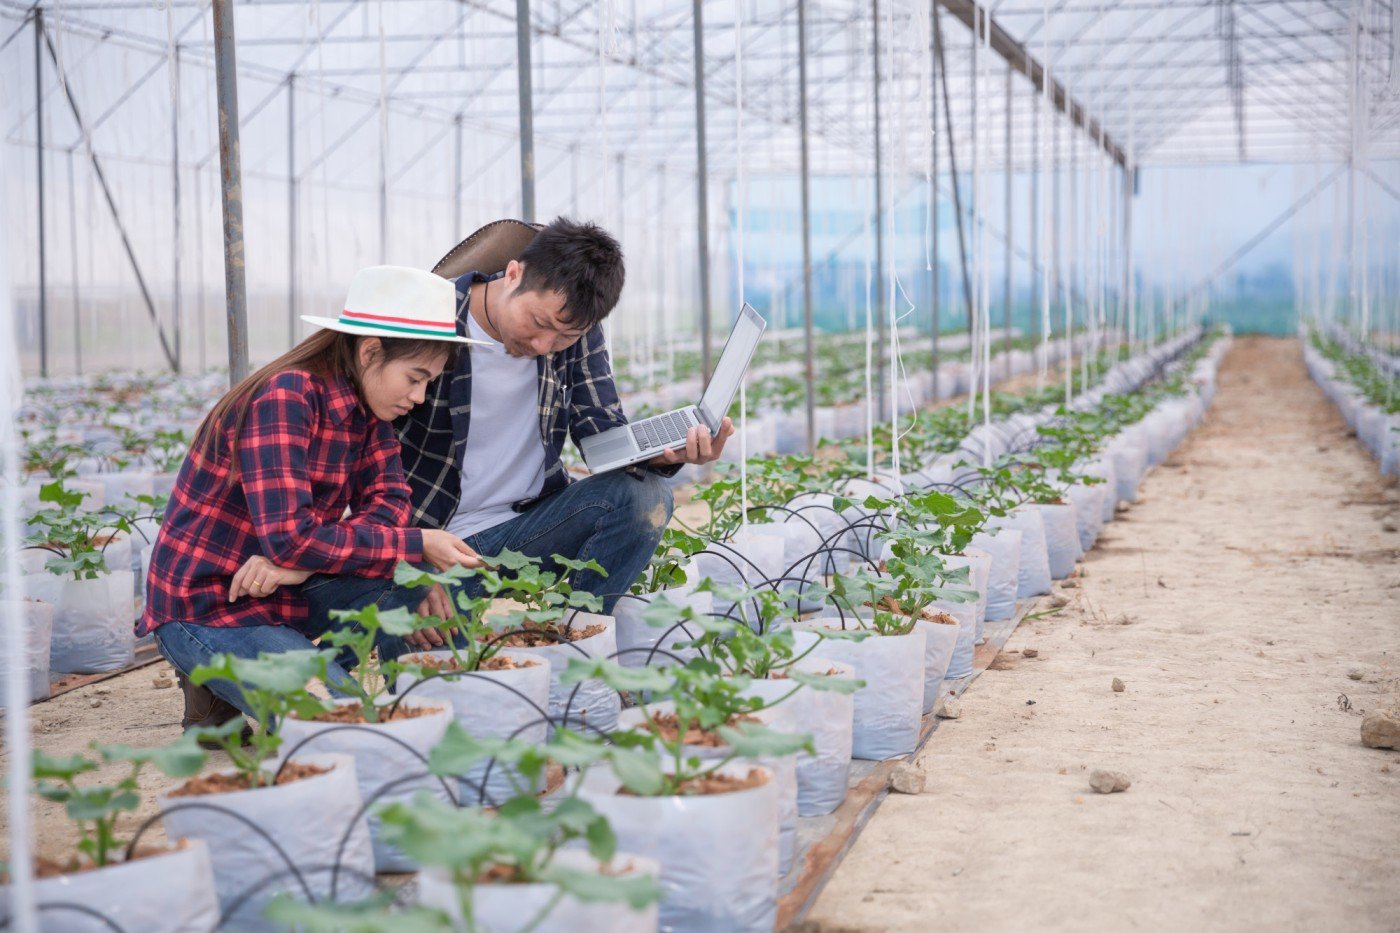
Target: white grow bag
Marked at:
888, 710
542, 908
512, 703
718, 853
1033, 577
92, 620
38, 634
590, 705
305, 819
168, 893
382, 764
829, 718
1004, 545
642, 645
784, 769
1061, 538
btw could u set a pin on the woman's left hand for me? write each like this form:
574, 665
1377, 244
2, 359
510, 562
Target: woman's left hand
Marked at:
260, 577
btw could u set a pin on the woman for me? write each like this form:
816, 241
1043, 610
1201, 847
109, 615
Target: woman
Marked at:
296, 472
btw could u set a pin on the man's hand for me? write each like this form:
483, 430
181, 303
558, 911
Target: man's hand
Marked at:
436, 603
260, 577
699, 447
442, 549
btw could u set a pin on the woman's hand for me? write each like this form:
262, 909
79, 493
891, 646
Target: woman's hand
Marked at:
442, 549
260, 577
439, 604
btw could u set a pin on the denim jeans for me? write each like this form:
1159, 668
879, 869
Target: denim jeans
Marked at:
613, 518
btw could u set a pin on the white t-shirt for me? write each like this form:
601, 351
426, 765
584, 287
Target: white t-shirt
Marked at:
504, 457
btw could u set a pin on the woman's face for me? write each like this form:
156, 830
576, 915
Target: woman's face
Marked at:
391, 389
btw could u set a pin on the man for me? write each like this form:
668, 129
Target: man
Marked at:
483, 455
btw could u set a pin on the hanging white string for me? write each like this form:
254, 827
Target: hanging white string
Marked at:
895, 361
870, 413
1043, 193
974, 215
741, 218
982, 257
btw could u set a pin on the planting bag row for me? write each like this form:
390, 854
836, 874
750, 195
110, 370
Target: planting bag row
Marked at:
965, 645
1061, 539
1033, 576
940, 639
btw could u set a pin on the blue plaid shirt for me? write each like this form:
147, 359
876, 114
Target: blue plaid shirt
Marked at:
577, 398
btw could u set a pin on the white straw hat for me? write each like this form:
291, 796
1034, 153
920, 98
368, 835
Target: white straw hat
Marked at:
397, 301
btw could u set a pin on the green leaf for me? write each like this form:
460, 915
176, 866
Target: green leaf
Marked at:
826, 683
619, 678
374, 916
639, 771
637, 891
284, 673
751, 740
182, 758
65, 768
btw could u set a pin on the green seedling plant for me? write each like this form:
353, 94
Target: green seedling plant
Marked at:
65, 525
359, 632
52, 457
273, 687
95, 809
761, 651
701, 698
546, 598
665, 568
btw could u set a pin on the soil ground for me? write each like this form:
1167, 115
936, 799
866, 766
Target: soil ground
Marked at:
1238, 601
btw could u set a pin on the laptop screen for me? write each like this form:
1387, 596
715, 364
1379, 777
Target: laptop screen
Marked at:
729, 371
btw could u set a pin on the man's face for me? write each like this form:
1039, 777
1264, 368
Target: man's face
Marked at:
531, 323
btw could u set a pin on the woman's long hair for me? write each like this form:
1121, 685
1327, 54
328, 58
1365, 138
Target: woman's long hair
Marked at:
326, 353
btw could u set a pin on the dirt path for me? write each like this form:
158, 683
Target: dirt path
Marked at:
1261, 568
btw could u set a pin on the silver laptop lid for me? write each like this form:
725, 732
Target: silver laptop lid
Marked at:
729, 371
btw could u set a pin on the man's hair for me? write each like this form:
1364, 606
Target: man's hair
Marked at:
580, 260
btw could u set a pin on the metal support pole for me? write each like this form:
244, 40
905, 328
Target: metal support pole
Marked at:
879, 224
527, 110
175, 194
231, 179
1035, 217
73, 267
702, 191
457, 177
1006, 285
807, 339
39, 161
935, 298
1129, 284
291, 210
953, 168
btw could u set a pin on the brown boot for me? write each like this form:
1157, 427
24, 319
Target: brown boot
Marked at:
204, 710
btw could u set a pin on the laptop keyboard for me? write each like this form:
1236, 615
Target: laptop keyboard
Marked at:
662, 431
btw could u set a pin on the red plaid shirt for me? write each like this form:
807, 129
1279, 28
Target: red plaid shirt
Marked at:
307, 451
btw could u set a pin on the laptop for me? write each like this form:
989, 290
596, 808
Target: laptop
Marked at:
641, 440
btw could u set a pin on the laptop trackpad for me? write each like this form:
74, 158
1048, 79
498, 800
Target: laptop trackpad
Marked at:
620, 446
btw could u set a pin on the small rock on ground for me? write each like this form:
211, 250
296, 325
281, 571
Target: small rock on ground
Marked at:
1380, 728
95, 702
1118, 686
1059, 600
1109, 782
1068, 584
162, 681
951, 708
1356, 673
908, 778
1030, 653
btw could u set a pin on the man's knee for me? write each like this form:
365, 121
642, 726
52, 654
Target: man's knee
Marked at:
651, 502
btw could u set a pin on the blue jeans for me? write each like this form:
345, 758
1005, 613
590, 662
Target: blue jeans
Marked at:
613, 518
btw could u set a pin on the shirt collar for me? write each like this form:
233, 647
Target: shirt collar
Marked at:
341, 399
